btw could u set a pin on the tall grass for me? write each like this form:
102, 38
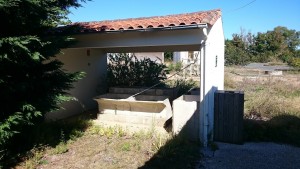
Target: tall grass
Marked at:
272, 107
267, 96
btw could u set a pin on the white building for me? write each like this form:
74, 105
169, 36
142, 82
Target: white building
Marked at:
199, 31
186, 57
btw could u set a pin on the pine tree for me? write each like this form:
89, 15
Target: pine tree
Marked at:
32, 81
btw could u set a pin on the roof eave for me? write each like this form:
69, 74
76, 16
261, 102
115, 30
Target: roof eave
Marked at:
179, 27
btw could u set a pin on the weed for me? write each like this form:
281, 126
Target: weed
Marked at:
126, 146
60, 148
213, 146
96, 129
108, 132
74, 134
34, 158
120, 131
158, 142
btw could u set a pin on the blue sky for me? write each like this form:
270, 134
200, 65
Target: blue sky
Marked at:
251, 15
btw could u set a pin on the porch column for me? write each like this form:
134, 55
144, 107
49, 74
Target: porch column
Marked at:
203, 113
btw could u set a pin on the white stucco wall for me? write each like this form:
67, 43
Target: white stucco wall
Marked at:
93, 63
213, 71
154, 56
183, 56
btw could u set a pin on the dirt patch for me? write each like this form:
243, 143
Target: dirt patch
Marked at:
95, 151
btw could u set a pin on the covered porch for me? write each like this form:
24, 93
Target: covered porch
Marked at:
201, 31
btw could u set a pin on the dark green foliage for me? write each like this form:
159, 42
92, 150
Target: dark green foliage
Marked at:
32, 81
295, 62
126, 70
168, 56
235, 55
279, 44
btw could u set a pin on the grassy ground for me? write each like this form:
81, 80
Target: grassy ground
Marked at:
272, 104
272, 113
80, 144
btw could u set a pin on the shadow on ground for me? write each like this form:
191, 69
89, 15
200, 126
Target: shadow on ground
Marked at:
280, 129
44, 134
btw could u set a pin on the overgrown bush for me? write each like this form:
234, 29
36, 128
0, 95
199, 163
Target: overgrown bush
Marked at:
126, 70
183, 85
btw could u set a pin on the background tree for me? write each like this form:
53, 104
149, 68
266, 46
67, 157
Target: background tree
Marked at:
281, 44
32, 81
238, 51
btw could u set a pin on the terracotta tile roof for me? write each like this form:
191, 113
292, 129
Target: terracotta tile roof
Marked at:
208, 17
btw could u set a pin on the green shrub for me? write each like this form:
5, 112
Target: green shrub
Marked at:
178, 66
295, 62
171, 67
182, 85
126, 70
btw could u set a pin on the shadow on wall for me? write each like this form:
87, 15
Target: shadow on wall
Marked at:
64, 112
178, 152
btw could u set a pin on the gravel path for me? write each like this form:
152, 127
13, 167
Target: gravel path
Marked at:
252, 156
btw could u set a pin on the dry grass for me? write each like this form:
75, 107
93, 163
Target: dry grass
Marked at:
114, 147
272, 105
267, 96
